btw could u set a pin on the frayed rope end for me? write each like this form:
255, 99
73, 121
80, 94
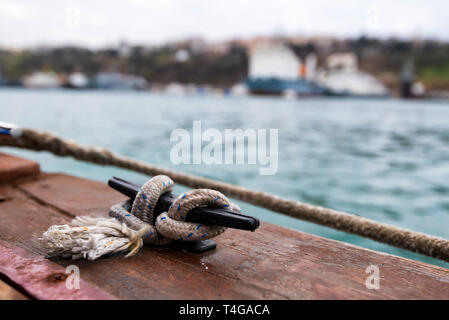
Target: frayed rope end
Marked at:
91, 238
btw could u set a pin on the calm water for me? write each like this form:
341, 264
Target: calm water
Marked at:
386, 160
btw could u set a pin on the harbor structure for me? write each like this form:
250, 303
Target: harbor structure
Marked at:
274, 69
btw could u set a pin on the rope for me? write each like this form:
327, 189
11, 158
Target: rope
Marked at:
128, 230
91, 238
432, 246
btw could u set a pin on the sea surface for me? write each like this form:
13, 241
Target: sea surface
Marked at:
385, 159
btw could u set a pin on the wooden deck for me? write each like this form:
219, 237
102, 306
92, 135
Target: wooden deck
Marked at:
270, 263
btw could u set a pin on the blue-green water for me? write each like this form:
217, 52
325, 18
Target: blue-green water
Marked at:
386, 160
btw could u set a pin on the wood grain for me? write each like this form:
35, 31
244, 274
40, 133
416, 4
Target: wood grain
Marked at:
270, 263
13, 167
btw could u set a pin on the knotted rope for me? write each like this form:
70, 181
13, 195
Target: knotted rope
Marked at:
406, 239
128, 230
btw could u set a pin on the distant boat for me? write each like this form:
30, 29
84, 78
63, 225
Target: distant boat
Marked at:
276, 86
342, 78
41, 79
239, 89
176, 89
76, 80
116, 80
275, 69
353, 83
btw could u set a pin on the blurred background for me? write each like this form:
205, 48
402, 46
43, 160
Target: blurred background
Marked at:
359, 91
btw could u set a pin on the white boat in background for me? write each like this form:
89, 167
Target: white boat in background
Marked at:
343, 78
77, 80
175, 89
41, 79
239, 90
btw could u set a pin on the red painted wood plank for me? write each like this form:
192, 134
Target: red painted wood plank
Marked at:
41, 278
14, 167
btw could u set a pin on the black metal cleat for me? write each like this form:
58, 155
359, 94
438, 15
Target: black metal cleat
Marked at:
206, 215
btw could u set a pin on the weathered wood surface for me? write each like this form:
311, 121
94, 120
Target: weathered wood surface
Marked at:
13, 167
40, 278
270, 263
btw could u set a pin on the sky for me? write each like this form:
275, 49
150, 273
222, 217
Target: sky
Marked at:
99, 23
